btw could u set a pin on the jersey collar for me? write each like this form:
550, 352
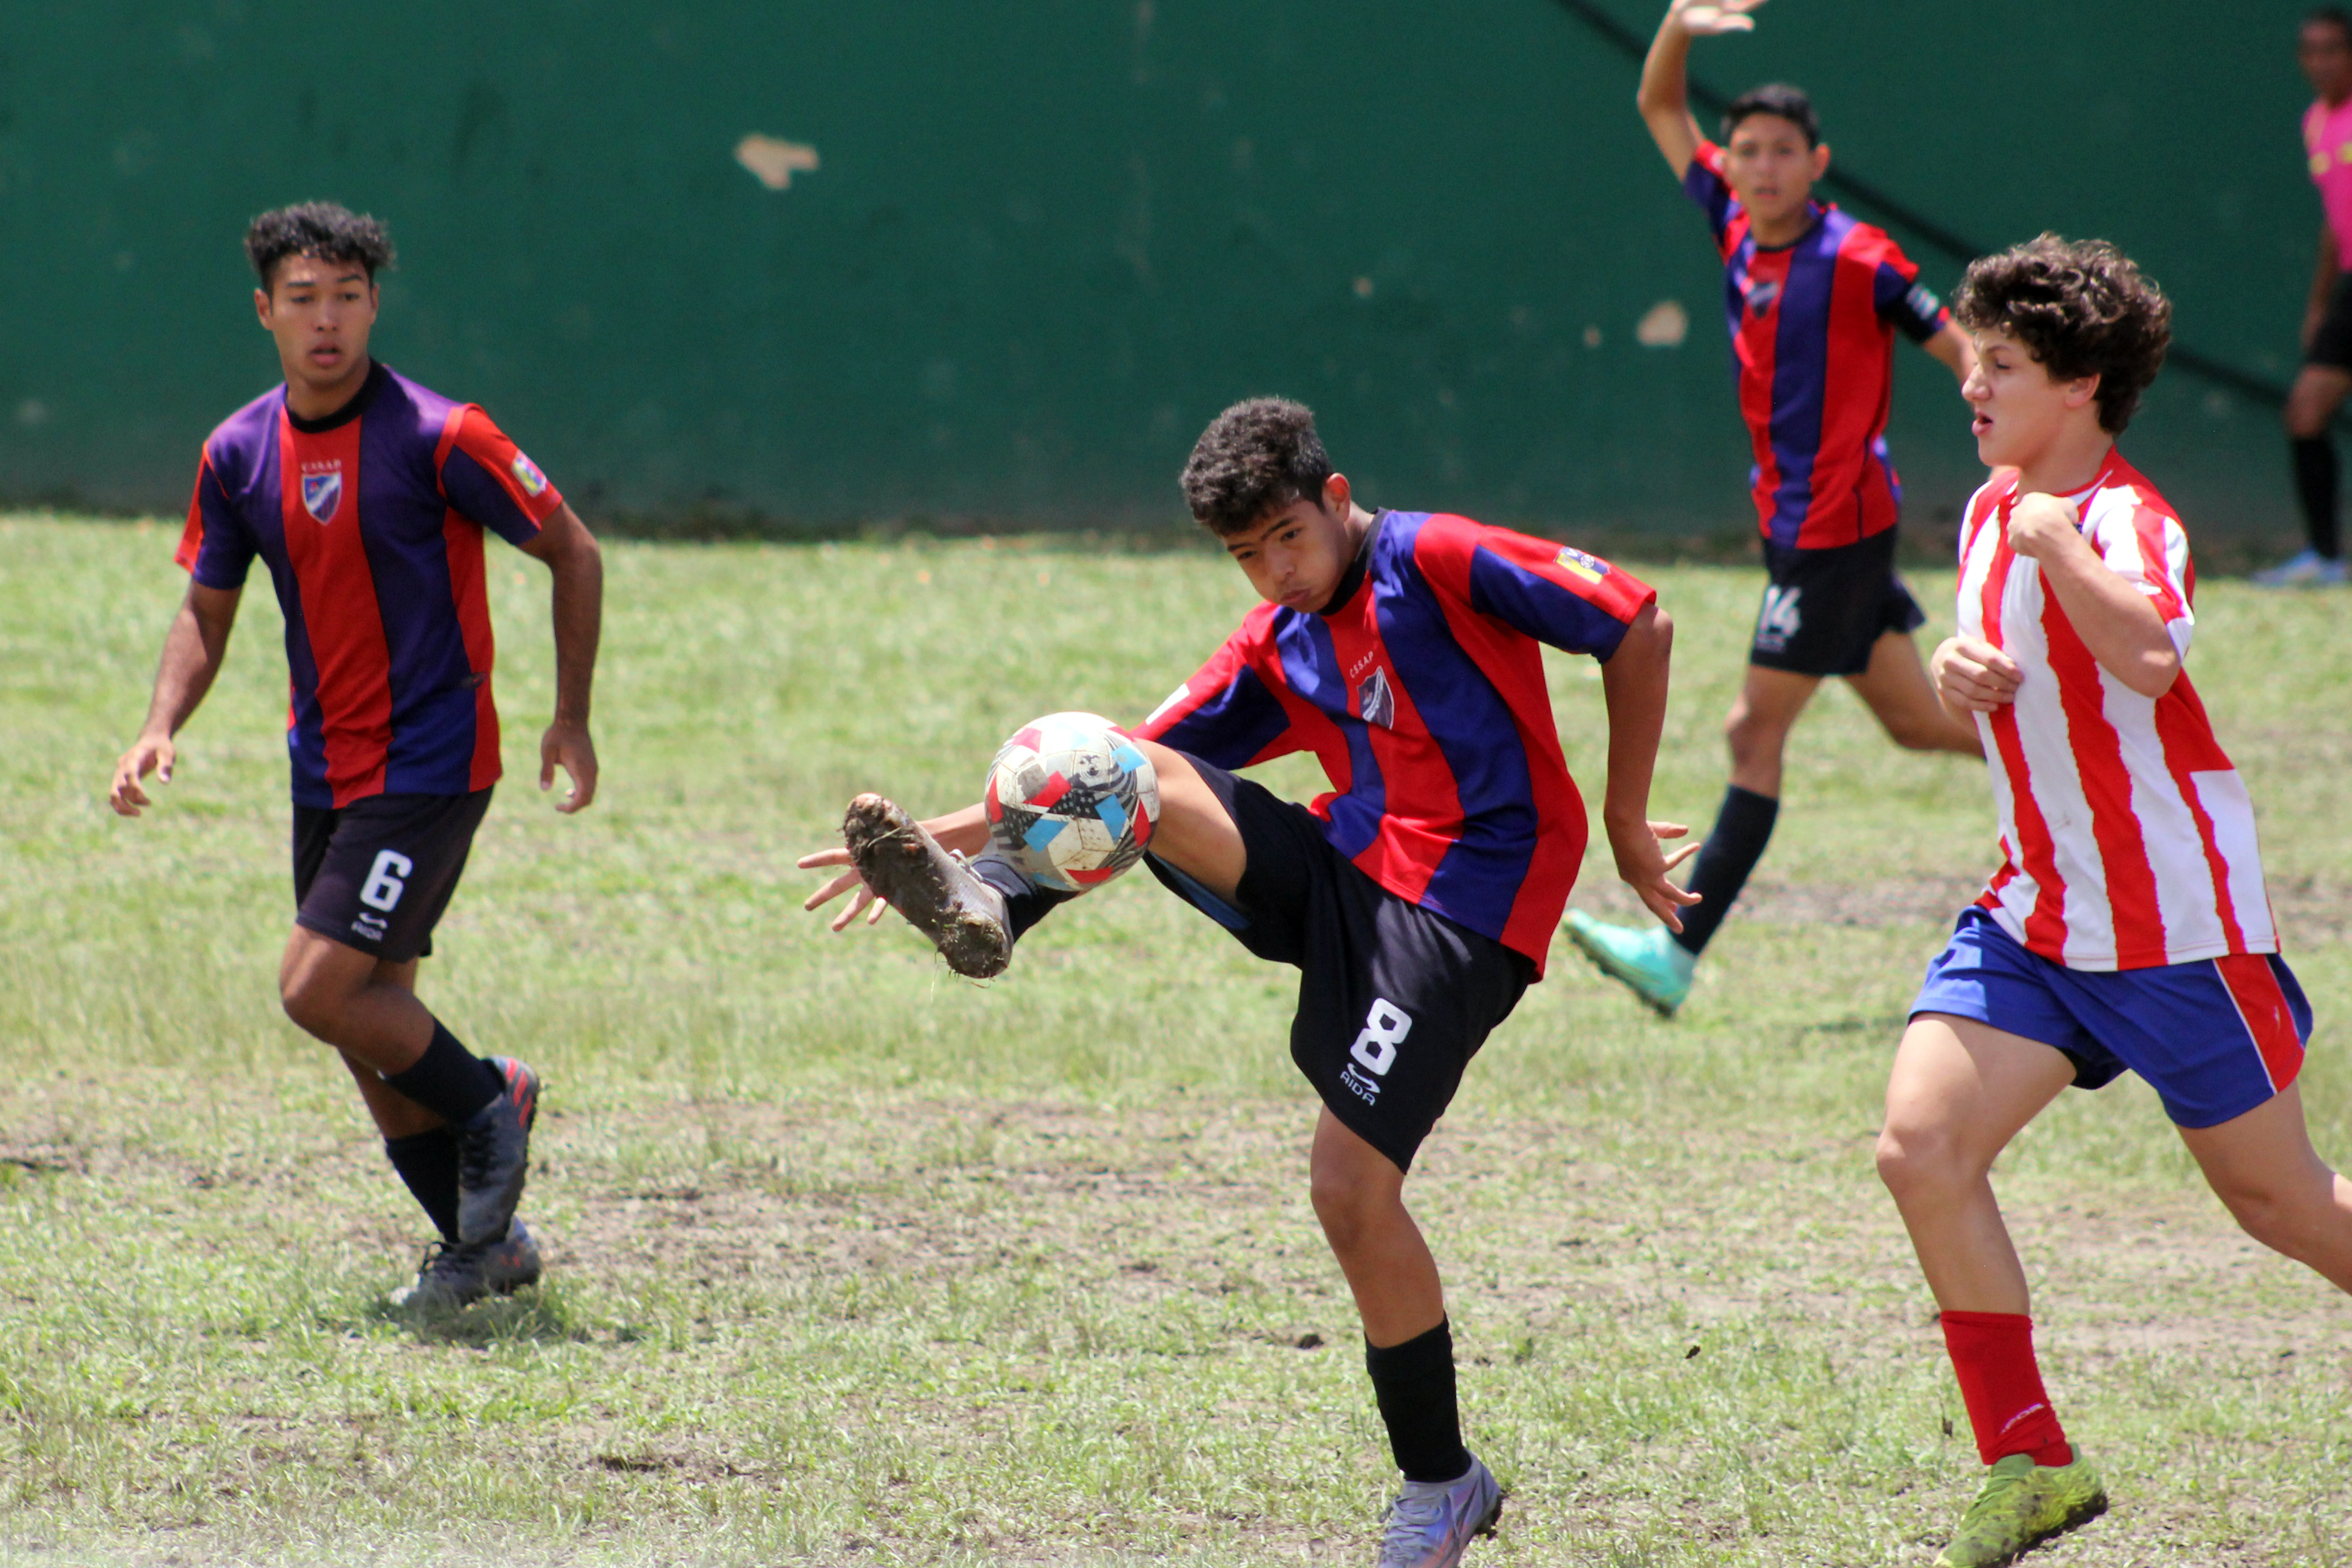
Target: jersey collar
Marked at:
350, 410
1353, 578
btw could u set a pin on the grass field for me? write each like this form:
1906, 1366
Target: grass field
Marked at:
854, 1262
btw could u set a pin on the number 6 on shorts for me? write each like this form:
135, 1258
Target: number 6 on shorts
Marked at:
383, 886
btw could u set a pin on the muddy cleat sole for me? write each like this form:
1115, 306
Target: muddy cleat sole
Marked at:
453, 1277
1431, 1523
1650, 964
2022, 1505
938, 894
494, 1156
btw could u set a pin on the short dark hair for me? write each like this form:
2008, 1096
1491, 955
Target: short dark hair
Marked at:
323, 229
2081, 308
2334, 16
1777, 98
1256, 458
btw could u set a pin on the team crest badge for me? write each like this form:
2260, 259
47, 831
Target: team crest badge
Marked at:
1576, 563
322, 493
1375, 702
527, 474
1761, 293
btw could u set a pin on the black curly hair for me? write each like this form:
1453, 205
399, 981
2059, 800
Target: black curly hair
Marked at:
324, 229
2081, 308
1256, 458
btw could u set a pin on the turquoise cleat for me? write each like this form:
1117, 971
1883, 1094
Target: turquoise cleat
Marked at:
1652, 963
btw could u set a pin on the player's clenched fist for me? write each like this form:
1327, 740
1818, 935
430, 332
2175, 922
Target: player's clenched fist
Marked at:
1973, 676
2039, 524
1705, 18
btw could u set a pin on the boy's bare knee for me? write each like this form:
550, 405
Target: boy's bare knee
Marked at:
312, 1001
1919, 1161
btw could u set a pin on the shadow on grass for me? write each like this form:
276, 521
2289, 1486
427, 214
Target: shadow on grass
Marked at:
529, 1316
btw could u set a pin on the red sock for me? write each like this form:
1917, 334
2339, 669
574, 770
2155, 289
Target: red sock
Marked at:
2002, 1384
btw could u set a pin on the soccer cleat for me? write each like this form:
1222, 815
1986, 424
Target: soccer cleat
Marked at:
2022, 1505
1432, 1523
456, 1275
494, 1154
938, 893
2305, 568
1655, 965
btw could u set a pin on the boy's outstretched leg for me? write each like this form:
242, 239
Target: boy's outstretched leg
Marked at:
1959, 1091
1449, 1496
946, 898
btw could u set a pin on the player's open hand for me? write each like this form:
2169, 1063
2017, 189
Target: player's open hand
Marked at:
1973, 676
1707, 19
1643, 860
568, 747
2039, 525
866, 902
152, 754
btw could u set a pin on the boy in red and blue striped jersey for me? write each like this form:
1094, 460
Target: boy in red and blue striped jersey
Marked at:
1814, 299
367, 496
1417, 898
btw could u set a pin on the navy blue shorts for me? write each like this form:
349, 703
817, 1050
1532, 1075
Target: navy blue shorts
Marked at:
1825, 610
377, 875
1393, 1000
2214, 1039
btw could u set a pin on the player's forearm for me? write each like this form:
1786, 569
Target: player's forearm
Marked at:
1633, 683
1953, 349
194, 650
2120, 626
1666, 88
579, 617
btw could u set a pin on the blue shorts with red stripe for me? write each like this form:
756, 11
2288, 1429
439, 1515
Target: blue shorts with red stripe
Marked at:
2214, 1039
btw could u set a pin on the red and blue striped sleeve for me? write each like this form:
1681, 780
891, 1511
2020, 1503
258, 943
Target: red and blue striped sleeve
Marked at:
488, 479
1703, 182
1901, 299
1552, 592
1226, 714
215, 547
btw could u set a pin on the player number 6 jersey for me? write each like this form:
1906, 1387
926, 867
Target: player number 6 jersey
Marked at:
2129, 837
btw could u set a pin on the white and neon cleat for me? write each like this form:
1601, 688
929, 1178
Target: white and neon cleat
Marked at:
1431, 1523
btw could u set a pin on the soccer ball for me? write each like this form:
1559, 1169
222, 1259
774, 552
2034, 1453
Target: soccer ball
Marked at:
1071, 801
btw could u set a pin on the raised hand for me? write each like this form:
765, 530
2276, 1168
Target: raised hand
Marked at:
1642, 863
1708, 18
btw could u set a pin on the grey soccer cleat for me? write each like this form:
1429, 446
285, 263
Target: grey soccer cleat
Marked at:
454, 1276
940, 894
494, 1154
1431, 1523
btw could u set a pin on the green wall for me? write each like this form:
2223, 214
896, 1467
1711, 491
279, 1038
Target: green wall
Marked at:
1049, 239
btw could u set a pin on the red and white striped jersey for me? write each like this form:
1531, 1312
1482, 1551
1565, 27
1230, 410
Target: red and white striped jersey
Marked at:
2129, 837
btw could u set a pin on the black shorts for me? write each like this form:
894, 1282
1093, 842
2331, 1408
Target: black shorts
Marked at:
1393, 1000
2332, 344
377, 873
1825, 610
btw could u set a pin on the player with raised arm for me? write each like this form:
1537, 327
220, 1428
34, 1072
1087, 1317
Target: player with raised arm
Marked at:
1814, 298
367, 497
2128, 928
2324, 49
1417, 899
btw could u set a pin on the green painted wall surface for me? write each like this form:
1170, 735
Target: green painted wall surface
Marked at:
1047, 239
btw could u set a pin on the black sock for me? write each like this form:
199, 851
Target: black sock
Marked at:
427, 1162
2315, 483
1742, 827
448, 1080
1025, 904
1413, 1385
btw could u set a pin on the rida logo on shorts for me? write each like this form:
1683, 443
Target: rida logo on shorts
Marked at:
322, 489
527, 474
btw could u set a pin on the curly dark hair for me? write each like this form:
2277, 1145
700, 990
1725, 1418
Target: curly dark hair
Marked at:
324, 229
2082, 308
1256, 458
1775, 97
